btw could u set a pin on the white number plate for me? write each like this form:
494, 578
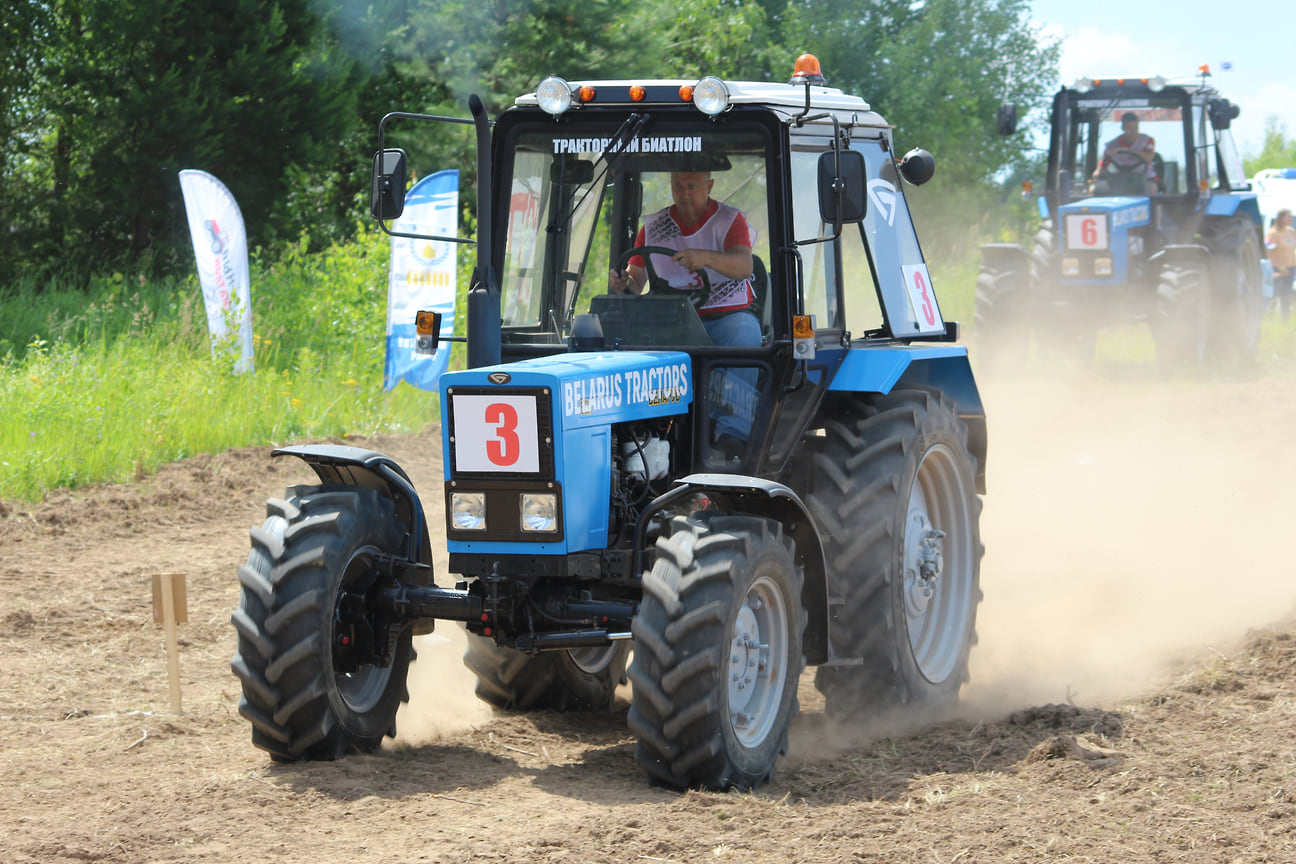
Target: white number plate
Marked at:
1086, 231
496, 433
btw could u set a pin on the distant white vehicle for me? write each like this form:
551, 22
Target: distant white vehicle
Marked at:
1276, 189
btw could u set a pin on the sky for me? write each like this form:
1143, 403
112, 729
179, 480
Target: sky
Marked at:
1115, 38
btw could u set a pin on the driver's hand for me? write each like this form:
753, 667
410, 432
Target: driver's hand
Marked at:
692, 259
619, 283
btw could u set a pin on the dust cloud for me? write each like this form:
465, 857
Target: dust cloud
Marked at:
1132, 524
442, 700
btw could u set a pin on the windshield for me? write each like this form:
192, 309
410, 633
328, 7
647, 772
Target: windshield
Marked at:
579, 196
1129, 145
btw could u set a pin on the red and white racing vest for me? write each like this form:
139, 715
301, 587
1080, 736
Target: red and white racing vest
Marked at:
727, 295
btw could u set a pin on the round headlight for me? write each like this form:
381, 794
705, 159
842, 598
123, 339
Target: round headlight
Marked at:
554, 95
711, 96
1083, 85
1157, 83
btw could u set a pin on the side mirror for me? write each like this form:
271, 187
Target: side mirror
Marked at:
917, 166
1222, 113
387, 192
842, 196
1007, 119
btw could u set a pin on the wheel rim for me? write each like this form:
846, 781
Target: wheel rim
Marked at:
362, 689
938, 587
758, 662
594, 660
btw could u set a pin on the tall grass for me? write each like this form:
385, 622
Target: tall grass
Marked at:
106, 383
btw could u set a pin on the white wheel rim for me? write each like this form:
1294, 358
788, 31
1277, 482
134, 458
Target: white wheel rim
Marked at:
757, 663
938, 588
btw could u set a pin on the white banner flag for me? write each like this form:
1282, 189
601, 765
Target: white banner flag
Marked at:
422, 276
221, 252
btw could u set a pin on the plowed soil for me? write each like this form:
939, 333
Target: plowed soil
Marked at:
1133, 693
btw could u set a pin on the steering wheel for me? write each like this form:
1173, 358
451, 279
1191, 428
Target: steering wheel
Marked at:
1113, 165
655, 282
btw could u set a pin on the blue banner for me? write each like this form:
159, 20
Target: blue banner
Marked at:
422, 276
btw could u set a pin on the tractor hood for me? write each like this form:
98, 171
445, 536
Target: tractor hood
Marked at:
590, 389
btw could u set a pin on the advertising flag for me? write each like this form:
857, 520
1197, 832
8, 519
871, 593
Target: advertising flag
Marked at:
422, 276
221, 251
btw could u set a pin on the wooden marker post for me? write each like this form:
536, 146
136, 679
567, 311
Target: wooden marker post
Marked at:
169, 609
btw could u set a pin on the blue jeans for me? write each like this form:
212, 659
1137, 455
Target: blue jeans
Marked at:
733, 399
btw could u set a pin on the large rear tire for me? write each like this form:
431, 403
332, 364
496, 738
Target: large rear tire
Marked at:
315, 544
582, 679
893, 493
717, 653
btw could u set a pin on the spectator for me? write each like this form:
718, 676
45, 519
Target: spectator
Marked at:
1280, 249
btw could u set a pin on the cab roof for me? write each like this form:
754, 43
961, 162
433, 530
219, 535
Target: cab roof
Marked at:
787, 100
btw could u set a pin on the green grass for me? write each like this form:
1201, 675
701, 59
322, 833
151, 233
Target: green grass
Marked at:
104, 384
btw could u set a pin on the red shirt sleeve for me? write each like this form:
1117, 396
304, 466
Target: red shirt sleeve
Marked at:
739, 233
637, 260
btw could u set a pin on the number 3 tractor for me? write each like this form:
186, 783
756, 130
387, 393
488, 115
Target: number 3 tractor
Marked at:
630, 491
1146, 217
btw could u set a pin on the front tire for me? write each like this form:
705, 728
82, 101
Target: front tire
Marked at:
1180, 323
1237, 299
718, 653
315, 545
893, 493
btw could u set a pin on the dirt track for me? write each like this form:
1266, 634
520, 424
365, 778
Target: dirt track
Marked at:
1122, 706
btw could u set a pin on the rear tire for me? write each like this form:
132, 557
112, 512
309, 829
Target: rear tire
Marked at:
315, 543
895, 471
582, 679
717, 653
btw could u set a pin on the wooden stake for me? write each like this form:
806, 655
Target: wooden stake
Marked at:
170, 591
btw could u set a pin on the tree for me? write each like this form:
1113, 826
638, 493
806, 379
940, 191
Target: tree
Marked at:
1278, 151
129, 94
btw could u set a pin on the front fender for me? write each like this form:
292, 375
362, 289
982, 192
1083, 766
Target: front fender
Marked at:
736, 493
355, 466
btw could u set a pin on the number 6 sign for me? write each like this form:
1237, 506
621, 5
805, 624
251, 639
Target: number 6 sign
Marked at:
496, 433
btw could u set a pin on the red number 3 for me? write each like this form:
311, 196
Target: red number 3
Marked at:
505, 447
929, 314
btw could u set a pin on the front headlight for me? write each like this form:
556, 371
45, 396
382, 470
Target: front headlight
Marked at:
468, 511
711, 96
554, 95
539, 512
1070, 266
1102, 266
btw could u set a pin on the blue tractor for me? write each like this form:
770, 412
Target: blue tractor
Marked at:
1146, 216
594, 508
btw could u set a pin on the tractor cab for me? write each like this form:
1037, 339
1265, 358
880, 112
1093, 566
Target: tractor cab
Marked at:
1144, 154
578, 169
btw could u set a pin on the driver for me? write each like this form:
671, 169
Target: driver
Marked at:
716, 237
1130, 151
708, 235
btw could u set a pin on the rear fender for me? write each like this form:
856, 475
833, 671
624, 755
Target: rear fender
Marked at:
354, 466
755, 496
